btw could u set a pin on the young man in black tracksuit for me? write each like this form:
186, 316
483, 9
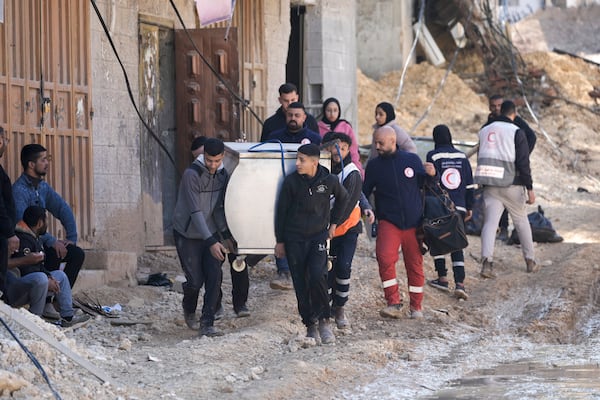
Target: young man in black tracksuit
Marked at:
303, 223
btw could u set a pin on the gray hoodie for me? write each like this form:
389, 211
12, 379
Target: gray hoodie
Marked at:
199, 212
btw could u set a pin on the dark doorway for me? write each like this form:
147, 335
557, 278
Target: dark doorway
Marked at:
295, 58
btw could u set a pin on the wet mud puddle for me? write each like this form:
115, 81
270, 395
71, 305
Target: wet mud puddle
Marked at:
474, 366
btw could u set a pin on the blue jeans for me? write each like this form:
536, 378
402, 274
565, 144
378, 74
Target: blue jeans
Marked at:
282, 264
64, 297
37, 292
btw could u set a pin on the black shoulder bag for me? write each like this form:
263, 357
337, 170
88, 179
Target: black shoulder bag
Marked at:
443, 226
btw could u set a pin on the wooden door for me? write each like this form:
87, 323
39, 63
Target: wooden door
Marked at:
204, 106
45, 96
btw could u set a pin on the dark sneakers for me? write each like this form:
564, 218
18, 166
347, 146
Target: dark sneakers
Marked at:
312, 331
191, 320
460, 292
438, 284
76, 319
325, 331
242, 312
340, 318
209, 330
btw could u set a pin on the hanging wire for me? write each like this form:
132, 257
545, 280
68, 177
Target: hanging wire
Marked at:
33, 359
443, 81
239, 98
129, 91
412, 49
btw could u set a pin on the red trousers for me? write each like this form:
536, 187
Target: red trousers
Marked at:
389, 240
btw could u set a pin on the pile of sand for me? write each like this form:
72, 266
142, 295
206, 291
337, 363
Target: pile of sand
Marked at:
457, 105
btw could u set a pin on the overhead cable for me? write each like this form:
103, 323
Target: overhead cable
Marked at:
239, 98
129, 91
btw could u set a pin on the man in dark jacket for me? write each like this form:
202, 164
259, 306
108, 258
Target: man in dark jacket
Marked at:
303, 223
30, 262
295, 131
288, 94
199, 227
397, 178
9, 242
495, 103
504, 171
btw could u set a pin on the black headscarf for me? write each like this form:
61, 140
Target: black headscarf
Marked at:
332, 124
442, 136
390, 114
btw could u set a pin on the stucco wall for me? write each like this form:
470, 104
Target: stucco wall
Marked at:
118, 221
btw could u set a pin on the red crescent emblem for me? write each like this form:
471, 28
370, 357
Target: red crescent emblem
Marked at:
492, 137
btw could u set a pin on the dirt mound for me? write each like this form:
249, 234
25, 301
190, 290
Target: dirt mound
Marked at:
457, 105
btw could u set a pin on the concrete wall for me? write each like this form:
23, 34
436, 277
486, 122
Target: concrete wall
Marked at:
277, 36
384, 35
330, 56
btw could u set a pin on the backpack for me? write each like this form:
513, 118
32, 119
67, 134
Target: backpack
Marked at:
541, 229
474, 225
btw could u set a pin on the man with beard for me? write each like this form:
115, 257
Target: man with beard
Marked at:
397, 178
30, 261
295, 132
31, 189
288, 94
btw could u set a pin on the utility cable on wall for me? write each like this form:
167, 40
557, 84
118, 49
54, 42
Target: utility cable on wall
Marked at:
129, 91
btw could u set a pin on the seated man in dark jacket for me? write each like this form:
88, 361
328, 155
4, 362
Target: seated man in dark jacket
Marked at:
30, 262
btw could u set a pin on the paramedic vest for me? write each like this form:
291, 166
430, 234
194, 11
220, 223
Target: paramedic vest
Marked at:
354, 216
497, 154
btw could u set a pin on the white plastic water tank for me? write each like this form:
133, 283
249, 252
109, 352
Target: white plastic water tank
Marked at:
253, 190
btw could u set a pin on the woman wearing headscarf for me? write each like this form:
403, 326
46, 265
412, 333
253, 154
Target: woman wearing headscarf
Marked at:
456, 178
332, 122
386, 116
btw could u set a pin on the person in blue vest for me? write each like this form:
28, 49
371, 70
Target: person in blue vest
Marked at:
504, 171
456, 177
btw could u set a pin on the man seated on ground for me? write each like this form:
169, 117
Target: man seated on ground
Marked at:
31, 189
29, 260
